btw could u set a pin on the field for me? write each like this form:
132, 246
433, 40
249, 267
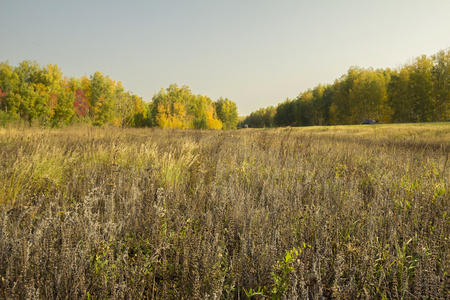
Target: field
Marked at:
341, 212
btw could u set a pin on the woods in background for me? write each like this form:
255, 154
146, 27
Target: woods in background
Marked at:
416, 92
44, 96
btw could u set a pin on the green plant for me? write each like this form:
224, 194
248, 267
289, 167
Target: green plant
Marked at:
282, 269
281, 273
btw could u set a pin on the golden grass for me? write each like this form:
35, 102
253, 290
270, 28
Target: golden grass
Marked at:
144, 213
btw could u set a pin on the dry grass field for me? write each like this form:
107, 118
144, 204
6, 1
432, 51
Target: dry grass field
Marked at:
346, 212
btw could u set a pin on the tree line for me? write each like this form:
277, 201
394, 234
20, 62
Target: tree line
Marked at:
43, 95
416, 92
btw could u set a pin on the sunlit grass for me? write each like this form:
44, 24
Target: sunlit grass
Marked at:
142, 213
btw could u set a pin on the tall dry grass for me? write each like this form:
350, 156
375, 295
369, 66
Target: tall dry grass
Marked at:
105, 213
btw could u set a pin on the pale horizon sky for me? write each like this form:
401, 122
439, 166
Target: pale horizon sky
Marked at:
256, 53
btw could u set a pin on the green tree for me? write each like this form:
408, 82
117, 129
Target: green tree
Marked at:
227, 113
124, 108
9, 82
198, 107
369, 97
263, 117
140, 111
323, 98
399, 96
51, 78
27, 97
345, 105
204, 114
101, 98
174, 107
441, 87
421, 84
64, 110
305, 109
286, 113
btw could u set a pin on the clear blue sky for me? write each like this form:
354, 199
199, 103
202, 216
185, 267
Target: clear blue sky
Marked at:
254, 52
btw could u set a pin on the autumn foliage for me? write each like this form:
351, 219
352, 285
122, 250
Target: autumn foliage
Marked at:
415, 92
44, 96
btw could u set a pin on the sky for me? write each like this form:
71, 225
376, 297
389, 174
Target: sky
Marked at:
256, 53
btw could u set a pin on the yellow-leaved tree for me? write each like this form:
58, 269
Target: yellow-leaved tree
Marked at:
178, 107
